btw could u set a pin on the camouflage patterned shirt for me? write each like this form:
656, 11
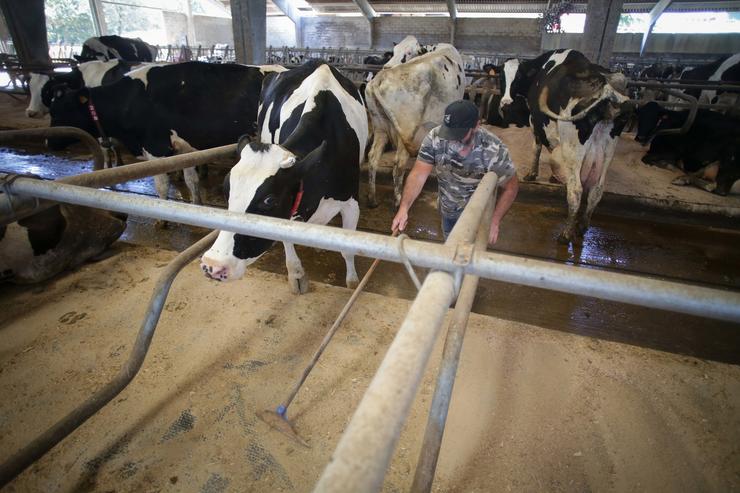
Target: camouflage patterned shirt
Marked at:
458, 176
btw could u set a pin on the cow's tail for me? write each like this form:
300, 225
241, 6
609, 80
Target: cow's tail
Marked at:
607, 92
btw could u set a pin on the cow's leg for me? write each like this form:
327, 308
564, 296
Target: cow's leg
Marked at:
380, 139
296, 275
399, 169
162, 186
350, 215
193, 182
574, 191
532, 176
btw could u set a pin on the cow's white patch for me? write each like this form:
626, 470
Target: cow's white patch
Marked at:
558, 58
16, 248
265, 135
511, 67
94, 71
103, 51
266, 69
322, 80
36, 108
142, 72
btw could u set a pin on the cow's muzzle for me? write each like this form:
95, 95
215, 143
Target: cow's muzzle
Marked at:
215, 272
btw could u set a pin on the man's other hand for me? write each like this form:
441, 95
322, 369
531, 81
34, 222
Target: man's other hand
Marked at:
493, 234
400, 221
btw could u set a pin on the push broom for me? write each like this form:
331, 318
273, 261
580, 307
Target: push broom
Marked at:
278, 418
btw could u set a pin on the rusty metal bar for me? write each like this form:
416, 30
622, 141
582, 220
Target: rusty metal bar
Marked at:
16, 208
12, 136
23, 458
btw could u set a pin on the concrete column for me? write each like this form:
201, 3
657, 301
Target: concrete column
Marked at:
602, 18
249, 21
27, 25
299, 32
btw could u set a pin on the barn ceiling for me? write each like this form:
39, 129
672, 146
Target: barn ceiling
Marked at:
329, 7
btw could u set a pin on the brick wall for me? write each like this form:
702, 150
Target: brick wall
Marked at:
428, 30
336, 32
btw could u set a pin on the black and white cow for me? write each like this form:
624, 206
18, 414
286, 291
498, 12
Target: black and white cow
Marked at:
158, 111
405, 102
313, 128
409, 48
49, 242
707, 152
378, 60
726, 68
88, 74
106, 48
578, 109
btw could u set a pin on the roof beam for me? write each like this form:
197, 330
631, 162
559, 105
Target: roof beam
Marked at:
366, 9
287, 8
452, 8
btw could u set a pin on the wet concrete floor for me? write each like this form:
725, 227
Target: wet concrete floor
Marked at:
656, 246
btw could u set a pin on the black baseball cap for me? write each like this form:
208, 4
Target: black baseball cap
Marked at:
460, 117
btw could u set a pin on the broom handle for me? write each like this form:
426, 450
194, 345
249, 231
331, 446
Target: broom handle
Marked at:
331, 332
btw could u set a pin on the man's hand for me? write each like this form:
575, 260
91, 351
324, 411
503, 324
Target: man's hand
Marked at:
400, 221
493, 234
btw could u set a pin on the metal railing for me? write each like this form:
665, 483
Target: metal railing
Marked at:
362, 456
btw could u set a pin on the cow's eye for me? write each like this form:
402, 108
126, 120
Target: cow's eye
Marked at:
268, 202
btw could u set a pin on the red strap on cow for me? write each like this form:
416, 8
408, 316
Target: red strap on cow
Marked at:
96, 120
297, 201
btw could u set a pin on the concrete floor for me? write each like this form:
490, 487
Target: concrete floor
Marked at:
542, 403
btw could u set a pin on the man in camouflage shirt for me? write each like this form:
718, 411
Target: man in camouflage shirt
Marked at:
462, 153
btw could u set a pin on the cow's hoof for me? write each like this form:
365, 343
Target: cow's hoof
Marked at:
372, 203
160, 224
681, 181
530, 177
299, 285
352, 283
563, 239
554, 179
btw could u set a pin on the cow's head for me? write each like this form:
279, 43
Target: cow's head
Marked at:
515, 79
650, 118
266, 181
37, 84
404, 51
69, 109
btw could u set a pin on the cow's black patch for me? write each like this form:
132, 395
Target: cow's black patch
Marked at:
216, 105
259, 146
550, 64
444, 66
403, 60
458, 80
45, 229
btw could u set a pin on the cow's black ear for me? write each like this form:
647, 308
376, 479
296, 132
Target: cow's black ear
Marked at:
243, 141
312, 159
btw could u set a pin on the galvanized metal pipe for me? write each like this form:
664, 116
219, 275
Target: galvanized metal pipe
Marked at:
625, 288
366, 447
680, 85
21, 207
427, 465
19, 461
13, 136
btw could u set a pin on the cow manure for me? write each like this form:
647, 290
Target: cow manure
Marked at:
269, 320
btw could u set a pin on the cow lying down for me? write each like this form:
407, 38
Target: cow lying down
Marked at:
707, 152
49, 242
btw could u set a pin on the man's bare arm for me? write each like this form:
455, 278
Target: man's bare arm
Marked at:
411, 190
503, 204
